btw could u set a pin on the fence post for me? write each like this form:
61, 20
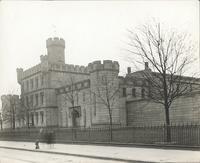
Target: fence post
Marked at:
89, 134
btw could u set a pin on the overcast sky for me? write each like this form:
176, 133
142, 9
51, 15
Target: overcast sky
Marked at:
93, 30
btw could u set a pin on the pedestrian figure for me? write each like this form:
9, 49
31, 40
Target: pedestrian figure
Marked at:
37, 144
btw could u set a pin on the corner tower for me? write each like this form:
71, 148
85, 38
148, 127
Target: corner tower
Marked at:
56, 50
104, 85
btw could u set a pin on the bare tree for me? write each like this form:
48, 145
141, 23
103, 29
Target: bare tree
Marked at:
168, 55
106, 93
10, 106
24, 113
71, 97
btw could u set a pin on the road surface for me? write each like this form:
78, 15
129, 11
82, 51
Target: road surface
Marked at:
18, 156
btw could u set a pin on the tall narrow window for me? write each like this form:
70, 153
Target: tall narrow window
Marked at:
22, 87
27, 101
36, 82
27, 85
32, 119
42, 97
31, 83
42, 117
83, 96
133, 92
36, 99
42, 80
124, 92
31, 100
77, 98
36, 117
84, 117
143, 92
66, 120
95, 105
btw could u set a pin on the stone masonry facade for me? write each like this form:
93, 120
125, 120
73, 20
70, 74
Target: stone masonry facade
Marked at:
54, 93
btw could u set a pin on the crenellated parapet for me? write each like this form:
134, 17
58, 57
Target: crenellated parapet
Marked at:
106, 65
10, 99
43, 58
69, 68
29, 72
55, 42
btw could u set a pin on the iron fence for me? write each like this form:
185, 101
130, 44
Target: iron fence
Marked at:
186, 134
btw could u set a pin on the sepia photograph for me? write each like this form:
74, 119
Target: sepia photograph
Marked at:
100, 81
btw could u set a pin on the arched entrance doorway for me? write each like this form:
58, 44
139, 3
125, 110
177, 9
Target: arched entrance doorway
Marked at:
75, 118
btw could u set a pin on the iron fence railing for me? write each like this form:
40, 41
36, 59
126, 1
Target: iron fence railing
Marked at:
187, 134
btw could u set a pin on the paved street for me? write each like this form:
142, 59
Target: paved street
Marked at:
18, 156
68, 152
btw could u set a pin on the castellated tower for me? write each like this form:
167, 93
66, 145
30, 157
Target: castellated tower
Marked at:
104, 87
55, 50
19, 75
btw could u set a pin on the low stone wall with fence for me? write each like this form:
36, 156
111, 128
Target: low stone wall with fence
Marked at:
180, 134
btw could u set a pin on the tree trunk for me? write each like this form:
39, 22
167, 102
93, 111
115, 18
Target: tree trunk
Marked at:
13, 116
168, 129
111, 134
27, 120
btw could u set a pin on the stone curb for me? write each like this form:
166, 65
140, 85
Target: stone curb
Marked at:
78, 155
136, 145
118, 144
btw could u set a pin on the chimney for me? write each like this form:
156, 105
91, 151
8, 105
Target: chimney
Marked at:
129, 70
146, 65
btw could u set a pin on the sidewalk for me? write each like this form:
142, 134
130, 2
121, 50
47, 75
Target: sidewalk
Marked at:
110, 152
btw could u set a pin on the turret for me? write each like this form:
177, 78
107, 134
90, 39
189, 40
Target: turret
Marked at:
19, 74
104, 84
103, 72
55, 50
107, 65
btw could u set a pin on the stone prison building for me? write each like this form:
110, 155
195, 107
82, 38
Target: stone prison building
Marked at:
54, 93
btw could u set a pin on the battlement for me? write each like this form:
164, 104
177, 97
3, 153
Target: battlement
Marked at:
29, 72
55, 42
9, 97
43, 58
106, 65
69, 68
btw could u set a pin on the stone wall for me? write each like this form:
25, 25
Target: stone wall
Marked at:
144, 112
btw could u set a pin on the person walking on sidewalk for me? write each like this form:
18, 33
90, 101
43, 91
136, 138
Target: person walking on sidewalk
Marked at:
37, 144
